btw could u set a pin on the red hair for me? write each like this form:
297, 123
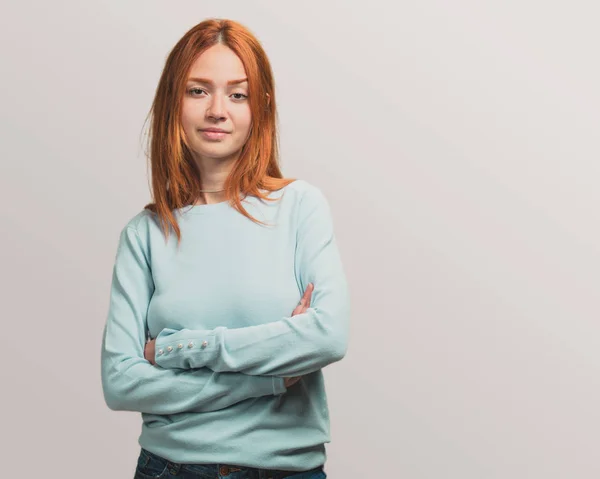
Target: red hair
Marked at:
175, 176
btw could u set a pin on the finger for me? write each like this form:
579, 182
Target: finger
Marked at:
305, 301
302, 302
306, 295
311, 289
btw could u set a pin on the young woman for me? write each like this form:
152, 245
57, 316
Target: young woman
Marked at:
228, 294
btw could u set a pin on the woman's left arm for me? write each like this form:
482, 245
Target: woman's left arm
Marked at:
293, 345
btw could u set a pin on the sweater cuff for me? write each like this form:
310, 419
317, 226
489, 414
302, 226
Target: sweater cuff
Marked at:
278, 385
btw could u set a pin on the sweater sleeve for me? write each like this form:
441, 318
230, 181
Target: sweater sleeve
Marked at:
291, 345
129, 381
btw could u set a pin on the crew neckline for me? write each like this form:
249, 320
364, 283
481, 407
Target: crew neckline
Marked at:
221, 205
208, 208
208, 205
204, 208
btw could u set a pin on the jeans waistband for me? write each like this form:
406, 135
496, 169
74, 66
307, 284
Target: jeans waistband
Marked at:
225, 469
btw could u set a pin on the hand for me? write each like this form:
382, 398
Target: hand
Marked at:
301, 308
149, 351
304, 303
291, 381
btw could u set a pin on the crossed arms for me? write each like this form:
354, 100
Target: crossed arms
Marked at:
225, 365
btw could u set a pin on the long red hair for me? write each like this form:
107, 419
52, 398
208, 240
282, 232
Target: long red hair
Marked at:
175, 176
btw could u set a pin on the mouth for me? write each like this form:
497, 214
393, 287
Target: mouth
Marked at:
213, 134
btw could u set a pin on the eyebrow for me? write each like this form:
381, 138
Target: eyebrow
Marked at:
210, 82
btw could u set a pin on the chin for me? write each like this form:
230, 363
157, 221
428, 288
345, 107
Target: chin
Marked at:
215, 153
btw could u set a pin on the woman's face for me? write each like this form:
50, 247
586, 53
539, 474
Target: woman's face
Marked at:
214, 98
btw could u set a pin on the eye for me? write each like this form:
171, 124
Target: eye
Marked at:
191, 92
194, 89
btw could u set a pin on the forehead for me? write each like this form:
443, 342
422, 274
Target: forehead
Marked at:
219, 64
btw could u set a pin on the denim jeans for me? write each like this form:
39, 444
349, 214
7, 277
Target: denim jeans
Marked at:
152, 466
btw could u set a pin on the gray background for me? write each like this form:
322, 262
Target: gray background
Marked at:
458, 145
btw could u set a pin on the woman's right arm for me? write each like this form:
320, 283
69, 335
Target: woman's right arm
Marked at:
129, 382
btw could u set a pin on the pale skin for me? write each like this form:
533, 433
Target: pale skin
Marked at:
150, 350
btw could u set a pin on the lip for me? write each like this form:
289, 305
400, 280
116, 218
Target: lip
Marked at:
216, 130
214, 134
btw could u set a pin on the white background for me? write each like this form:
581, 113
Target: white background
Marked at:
458, 145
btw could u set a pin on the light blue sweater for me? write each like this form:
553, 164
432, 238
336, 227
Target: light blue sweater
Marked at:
220, 309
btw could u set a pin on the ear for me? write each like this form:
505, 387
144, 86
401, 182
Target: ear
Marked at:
268, 98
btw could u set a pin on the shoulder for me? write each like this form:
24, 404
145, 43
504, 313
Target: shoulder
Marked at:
311, 205
307, 193
143, 223
139, 220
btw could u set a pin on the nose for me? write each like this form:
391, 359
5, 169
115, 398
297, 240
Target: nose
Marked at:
216, 107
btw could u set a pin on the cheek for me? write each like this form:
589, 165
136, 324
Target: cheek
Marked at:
243, 116
244, 121
189, 113
187, 119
